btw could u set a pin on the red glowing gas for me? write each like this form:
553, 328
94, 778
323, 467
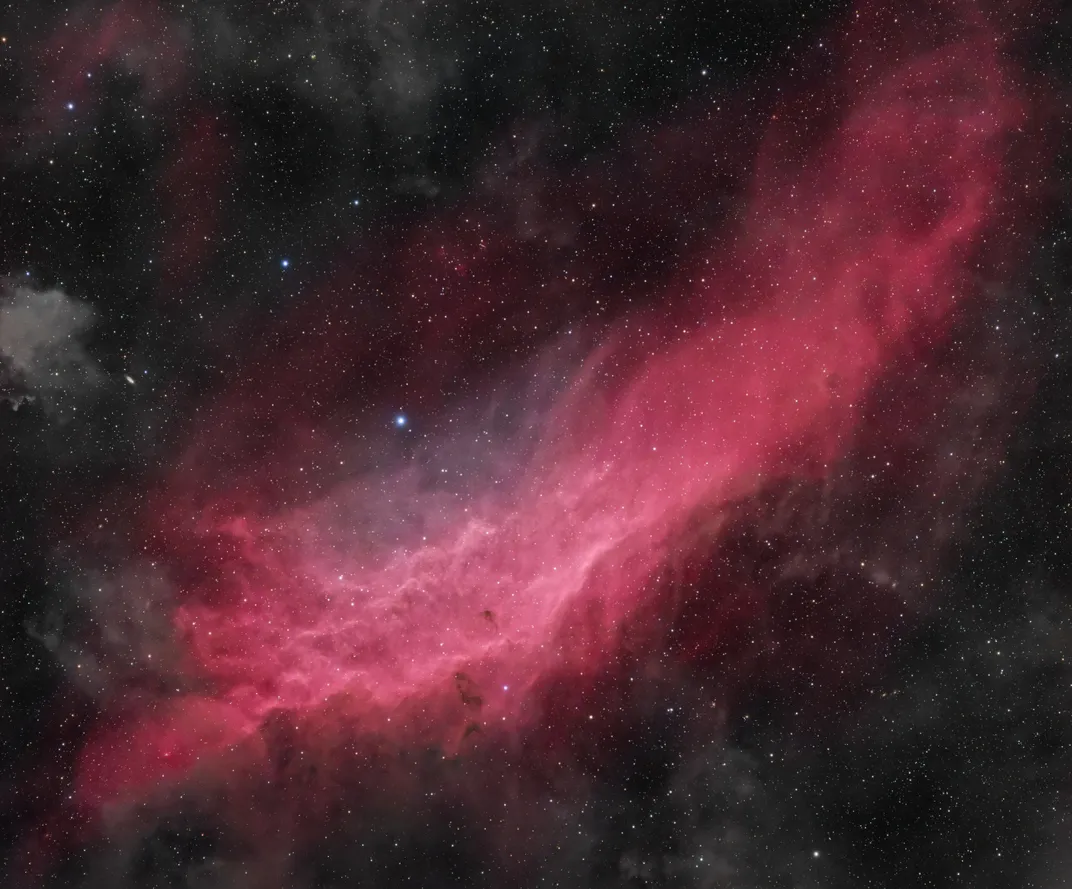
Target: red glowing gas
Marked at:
421, 611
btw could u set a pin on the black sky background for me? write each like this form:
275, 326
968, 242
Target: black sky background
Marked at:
956, 773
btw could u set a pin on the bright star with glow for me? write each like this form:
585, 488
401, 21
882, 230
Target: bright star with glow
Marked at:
285, 263
70, 106
400, 420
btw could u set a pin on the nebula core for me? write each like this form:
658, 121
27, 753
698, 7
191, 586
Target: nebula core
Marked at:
449, 618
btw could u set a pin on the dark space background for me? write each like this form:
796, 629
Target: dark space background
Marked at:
148, 210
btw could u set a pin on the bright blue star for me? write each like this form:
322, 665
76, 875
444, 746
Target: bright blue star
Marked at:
285, 263
70, 106
356, 202
401, 420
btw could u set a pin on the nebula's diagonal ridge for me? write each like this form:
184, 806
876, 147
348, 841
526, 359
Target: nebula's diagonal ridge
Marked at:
841, 265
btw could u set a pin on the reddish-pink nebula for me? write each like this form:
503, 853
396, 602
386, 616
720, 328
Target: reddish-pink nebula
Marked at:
418, 612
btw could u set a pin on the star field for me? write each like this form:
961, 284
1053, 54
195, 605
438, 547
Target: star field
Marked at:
533, 444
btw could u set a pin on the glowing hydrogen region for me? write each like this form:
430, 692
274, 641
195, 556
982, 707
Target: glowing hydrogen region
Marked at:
394, 606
